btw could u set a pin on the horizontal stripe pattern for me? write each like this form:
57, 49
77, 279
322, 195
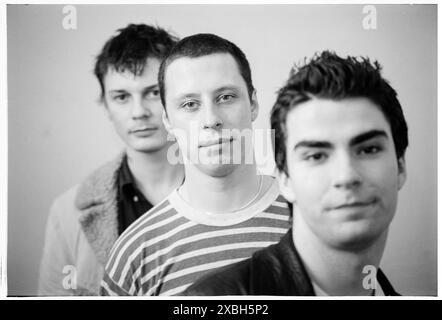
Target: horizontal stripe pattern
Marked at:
163, 252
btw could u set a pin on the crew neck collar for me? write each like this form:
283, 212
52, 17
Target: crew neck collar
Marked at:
224, 219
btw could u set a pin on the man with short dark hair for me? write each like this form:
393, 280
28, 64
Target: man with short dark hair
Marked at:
340, 141
86, 220
224, 211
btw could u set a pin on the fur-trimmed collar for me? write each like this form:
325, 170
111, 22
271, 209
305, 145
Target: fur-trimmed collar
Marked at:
97, 201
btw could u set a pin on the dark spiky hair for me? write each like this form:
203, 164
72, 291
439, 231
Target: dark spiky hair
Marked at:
130, 48
329, 76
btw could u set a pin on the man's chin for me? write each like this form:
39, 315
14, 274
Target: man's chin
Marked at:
357, 239
216, 170
148, 148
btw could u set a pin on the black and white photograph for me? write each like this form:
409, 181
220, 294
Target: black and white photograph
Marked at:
207, 150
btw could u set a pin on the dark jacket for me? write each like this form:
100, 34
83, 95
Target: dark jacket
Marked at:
275, 270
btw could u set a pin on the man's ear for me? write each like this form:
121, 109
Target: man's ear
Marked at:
402, 172
255, 106
106, 108
166, 122
285, 186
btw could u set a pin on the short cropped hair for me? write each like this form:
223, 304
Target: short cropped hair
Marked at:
329, 76
204, 44
130, 48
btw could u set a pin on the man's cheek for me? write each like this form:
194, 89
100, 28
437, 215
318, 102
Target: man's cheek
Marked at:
305, 188
383, 179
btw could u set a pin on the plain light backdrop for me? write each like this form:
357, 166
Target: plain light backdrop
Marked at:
58, 133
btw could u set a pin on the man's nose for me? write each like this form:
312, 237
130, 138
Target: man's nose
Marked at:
346, 173
210, 117
140, 108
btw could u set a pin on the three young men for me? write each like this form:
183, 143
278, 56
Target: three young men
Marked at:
224, 211
85, 221
340, 141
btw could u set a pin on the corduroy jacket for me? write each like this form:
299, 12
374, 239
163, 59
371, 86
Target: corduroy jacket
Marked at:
81, 230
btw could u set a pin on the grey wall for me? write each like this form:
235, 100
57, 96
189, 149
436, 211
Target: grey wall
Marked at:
58, 133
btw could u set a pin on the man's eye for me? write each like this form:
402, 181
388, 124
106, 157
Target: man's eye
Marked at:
189, 105
225, 98
153, 94
121, 98
370, 150
316, 157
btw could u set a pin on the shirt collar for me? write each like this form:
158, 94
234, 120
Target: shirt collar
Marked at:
125, 178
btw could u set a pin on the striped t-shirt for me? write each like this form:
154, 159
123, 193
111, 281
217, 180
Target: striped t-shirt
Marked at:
171, 246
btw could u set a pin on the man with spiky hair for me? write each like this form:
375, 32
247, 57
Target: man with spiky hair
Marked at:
85, 221
340, 141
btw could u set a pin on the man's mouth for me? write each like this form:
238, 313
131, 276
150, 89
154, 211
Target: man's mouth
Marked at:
355, 204
143, 129
214, 142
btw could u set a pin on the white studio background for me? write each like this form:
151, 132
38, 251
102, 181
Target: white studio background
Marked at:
58, 133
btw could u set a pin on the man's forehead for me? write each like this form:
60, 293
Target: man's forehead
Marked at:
203, 74
215, 63
113, 73
205, 58
328, 120
119, 79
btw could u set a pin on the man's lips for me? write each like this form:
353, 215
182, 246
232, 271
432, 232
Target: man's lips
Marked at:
354, 204
143, 129
214, 142
143, 132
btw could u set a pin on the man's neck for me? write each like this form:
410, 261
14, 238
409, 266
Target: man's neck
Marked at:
222, 194
154, 176
335, 271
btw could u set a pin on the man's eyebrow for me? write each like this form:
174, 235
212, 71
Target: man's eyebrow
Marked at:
151, 88
186, 96
117, 91
354, 141
228, 87
145, 89
367, 136
313, 144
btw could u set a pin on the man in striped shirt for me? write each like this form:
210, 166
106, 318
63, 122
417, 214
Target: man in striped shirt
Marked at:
224, 211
